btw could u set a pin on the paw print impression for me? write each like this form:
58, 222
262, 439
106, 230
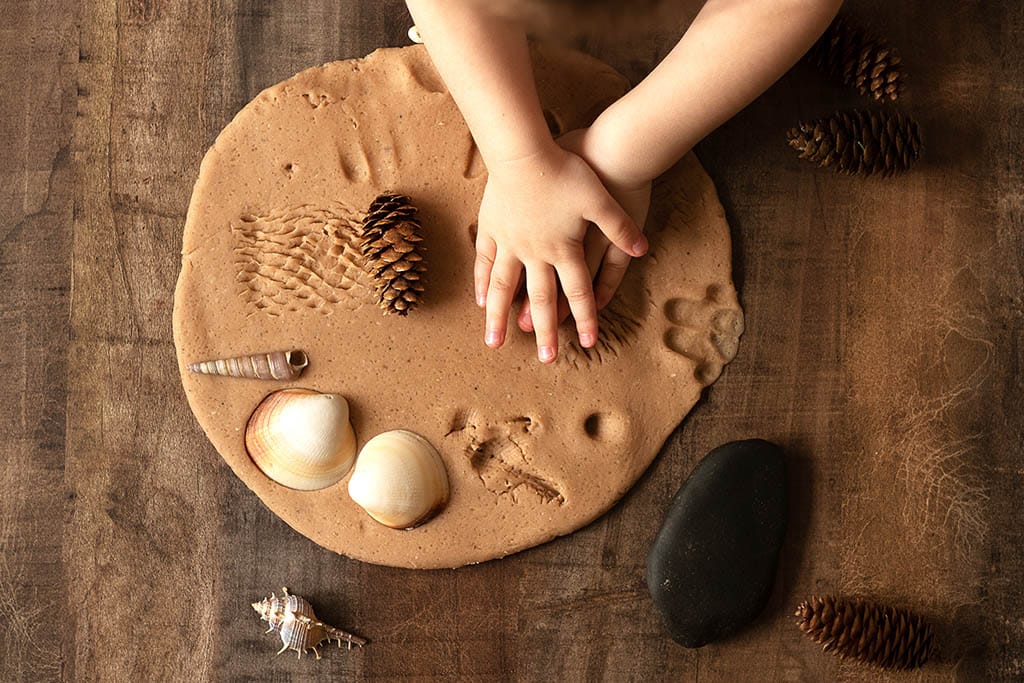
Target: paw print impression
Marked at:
706, 330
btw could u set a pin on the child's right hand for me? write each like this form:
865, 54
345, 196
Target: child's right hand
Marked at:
606, 262
534, 217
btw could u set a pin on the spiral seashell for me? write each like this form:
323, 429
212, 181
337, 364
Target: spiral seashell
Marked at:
301, 439
274, 365
299, 627
399, 479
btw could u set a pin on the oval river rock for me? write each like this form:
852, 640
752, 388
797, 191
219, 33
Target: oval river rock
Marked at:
712, 565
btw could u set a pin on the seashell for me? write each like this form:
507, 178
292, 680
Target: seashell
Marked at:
399, 479
300, 630
301, 438
273, 365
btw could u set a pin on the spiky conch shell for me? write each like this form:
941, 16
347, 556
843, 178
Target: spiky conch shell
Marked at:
849, 54
276, 365
887, 637
860, 142
300, 630
391, 243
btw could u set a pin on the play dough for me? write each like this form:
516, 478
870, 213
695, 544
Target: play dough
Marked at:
271, 262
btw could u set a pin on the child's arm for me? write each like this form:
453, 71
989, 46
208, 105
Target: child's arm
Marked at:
539, 197
731, 53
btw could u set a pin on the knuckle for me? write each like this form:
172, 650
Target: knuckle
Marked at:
615, 266
540, 298
562, 251
500, 283
622, 227
577, 295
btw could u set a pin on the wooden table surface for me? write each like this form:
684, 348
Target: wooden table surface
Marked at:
883, 350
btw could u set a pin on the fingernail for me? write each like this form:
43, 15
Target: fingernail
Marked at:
546, 354
640, 247
481, 300
586, 339
492, 338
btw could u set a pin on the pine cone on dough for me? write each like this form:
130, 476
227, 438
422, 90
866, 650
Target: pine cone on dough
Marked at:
860, 142
855, 58
391, 243
887, 637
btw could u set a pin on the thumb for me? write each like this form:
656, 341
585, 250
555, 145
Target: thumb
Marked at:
618, 227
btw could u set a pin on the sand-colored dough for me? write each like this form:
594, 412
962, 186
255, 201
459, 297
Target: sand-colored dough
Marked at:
269, 262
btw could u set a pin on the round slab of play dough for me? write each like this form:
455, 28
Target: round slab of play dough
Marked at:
270, 261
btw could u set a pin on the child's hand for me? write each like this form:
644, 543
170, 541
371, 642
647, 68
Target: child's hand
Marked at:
604, 260
534, 216
636, 201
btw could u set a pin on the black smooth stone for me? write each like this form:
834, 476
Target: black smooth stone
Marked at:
712, 565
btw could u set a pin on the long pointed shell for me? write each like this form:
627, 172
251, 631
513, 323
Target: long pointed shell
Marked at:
301, 438
399, 479
274, 365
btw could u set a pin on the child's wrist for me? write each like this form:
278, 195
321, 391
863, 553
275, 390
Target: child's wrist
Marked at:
609, 148
512, 149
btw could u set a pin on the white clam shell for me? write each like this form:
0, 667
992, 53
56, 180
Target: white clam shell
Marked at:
302, 439
399, 479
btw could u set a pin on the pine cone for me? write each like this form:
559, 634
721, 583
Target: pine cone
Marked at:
860, 142
885, 636
391, 239
854, 57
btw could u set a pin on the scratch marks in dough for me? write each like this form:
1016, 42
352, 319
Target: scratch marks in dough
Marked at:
618, 327
500, 456
300, 257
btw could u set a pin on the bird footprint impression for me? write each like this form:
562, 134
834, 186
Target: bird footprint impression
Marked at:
311, 316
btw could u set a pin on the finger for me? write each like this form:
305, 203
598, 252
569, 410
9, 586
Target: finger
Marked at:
563, 308
543, 292
525, 319
613, 269
579, 290
619, 228
485, 251
595, 246
502, 287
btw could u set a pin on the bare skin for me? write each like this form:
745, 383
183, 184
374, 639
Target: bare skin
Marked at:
567, 213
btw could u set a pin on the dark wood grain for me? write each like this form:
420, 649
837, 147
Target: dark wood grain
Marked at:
883, 350
37, 114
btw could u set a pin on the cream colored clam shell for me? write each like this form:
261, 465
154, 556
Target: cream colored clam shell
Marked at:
399, 479
302, 439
